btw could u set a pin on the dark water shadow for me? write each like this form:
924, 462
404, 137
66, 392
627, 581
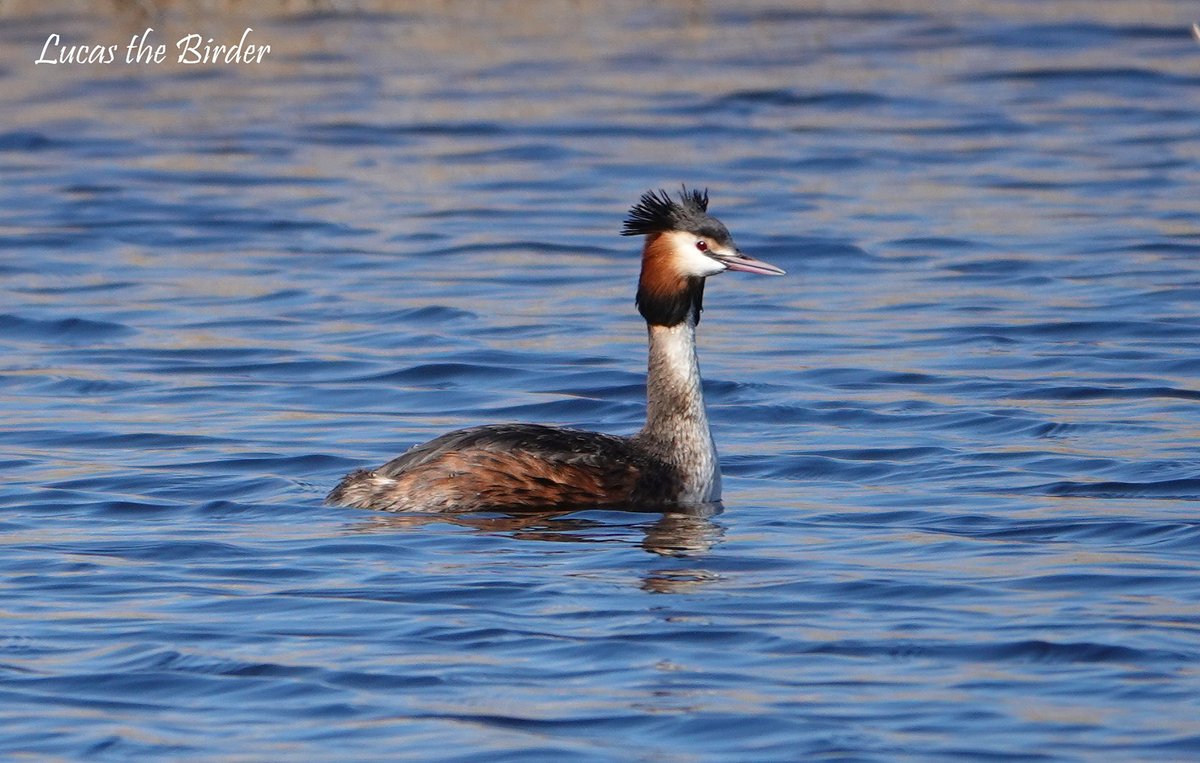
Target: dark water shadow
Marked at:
684, 531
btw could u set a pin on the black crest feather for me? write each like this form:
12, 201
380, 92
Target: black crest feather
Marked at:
657, 212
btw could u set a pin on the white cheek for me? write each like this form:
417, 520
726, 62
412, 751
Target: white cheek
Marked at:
690, 260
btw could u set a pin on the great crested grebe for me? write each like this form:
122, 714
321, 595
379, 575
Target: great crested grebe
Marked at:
671, 462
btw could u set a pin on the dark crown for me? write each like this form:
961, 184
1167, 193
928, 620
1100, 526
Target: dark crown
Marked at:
657, 212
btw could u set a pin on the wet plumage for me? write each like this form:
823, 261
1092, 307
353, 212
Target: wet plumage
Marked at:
507, 465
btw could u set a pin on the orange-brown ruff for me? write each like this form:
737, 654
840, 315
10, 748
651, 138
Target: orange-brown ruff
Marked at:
672, 461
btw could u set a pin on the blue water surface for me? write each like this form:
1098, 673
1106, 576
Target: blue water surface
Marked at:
959, 438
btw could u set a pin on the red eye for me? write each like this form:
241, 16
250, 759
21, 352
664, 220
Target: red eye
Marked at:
702, 245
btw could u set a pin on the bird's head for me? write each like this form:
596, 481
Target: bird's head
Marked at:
684, 245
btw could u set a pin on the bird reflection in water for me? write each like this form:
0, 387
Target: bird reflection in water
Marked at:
686, 533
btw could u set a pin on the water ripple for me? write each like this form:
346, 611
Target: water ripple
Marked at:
957, 440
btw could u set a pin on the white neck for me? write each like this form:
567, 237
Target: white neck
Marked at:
676, 423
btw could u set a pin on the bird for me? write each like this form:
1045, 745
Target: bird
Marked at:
670, 463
